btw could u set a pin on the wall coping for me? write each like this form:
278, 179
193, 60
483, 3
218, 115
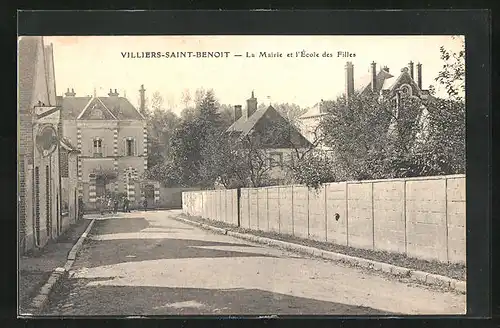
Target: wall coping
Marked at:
435, 177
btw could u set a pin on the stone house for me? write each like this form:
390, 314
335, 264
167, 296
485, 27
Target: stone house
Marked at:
264, 122
111, 135
380, 83
39, 182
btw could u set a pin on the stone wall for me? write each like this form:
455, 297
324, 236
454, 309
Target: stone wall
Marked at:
420, 217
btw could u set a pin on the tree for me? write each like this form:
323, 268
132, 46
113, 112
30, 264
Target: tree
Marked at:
157, 101
314, 169
190, 138
186, 98
291, 112
226, 115
357, 132
106, 176
452, 75
161, 124
441, 147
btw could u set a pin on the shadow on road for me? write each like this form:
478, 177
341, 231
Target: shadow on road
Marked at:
108, 252
120, 225
77, 299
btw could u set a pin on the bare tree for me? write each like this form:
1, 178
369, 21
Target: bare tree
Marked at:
186, 98
156, 101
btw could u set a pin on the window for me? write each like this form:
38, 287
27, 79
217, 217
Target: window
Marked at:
130, 147
97, 147
48, 203
275, 159
37, 205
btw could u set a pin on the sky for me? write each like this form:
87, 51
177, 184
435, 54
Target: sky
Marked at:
88, 63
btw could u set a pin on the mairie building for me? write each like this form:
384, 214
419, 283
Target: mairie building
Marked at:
111, 136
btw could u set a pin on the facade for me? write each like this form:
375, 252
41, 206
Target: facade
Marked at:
265, 121
378, 83
39, 182
111, 135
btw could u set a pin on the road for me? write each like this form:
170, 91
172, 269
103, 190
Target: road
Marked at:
148, 263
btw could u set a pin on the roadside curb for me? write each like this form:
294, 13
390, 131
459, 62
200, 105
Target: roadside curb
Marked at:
420, 276
41, 300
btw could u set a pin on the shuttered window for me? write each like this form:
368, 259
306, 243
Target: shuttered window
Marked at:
97, 147
37, 205
130, 147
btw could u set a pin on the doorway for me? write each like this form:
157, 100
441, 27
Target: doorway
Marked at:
149, 194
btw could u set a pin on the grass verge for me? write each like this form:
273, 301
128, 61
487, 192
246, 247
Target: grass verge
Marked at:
454, 271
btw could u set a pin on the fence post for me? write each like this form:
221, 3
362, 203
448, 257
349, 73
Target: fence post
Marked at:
373, 218
446, 218
225, 205
248, 201
347, 212
404, 216
238, 200
308, 223
293, 232
279, 210
326, 211
257, 200
267, 207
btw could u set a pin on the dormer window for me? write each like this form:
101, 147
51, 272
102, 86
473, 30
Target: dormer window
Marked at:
97, 147
406, 90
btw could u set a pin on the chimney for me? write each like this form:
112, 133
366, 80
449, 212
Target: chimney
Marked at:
419, 76
349, 79
70, 93
113, 94
237, 112
386, 69
142, 93
374, 76
251, 105
410, 66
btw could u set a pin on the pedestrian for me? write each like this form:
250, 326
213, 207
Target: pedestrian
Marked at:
126, 205
115, 205
80, 208
110, 205
145, 204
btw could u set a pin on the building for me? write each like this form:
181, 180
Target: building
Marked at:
39, 182
264, 122
111, 135
379, 83
310, 121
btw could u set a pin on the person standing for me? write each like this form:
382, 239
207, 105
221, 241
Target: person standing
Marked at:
145, 204
126, 203
115, 205
110, 205
80, 208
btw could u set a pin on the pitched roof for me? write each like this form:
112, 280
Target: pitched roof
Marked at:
120, 107
365, 82
95, 102
27, 52
314, 111
243, 126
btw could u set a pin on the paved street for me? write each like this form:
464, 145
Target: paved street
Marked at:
150, 264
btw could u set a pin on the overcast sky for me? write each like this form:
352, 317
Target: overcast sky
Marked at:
87, 62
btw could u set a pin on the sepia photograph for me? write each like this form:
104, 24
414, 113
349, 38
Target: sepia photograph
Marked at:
241, 175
